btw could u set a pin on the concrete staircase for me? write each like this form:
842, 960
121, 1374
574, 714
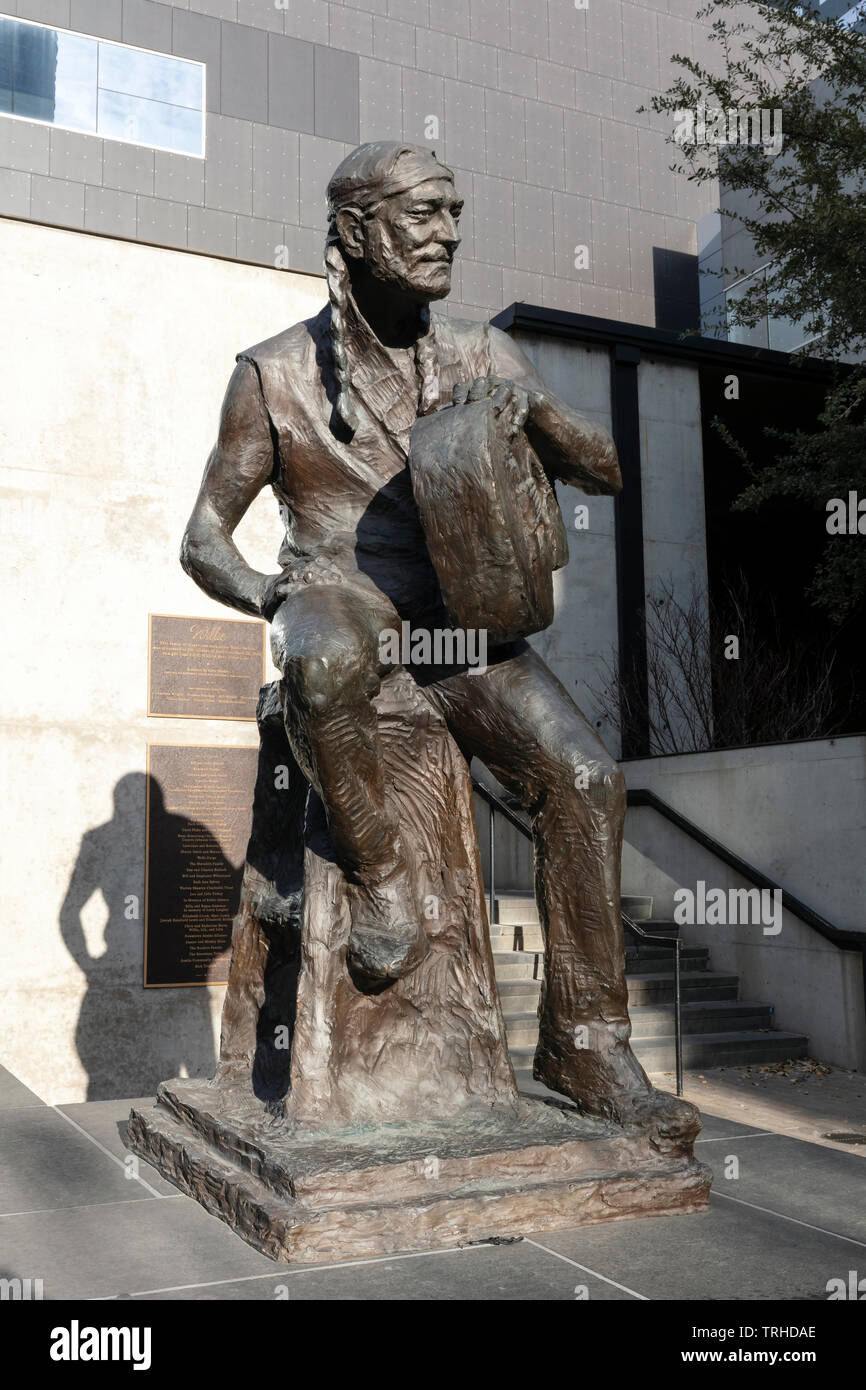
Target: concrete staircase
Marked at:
719, 1028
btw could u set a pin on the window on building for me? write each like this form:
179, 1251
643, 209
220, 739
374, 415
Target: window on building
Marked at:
850, 15
770, 331
101, 88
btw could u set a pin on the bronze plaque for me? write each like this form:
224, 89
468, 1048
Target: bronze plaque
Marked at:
199, 814
204, 668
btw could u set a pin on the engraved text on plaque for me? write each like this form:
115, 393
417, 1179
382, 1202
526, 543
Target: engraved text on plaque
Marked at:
205, 668
199, 813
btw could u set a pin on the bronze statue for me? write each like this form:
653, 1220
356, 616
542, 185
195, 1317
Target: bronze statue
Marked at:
364, 1100
325, 414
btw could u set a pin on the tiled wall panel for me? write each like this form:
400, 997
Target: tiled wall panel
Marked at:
532, 102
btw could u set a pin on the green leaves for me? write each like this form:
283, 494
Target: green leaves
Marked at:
805, 213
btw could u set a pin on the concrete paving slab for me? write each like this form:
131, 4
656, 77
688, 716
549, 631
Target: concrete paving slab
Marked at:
794, 1218
105, 1122
125, 1247
14, 1095
504, 1273
732, 1252
717, 1127
803, 1098
806, 1182
46, 1163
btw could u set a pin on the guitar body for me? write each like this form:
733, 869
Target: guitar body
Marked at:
491, 520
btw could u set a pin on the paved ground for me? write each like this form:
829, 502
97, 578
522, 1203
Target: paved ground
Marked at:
793, 1218
804, 1099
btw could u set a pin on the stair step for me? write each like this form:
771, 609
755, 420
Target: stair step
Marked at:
706, 1050
701, 1016
518, 965
512, 923
639, 908
644, 987
650, 1022
516, 938
721, 1049
652, 960
515, 909
694, 985
655, 926
519, 996
521, 909
521, 1030
528, 936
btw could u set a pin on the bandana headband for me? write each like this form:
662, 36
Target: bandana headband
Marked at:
410, 166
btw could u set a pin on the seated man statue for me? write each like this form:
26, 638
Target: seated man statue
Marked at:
323, 413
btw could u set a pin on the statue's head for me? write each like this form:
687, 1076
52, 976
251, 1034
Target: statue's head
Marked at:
392, 219
392, 213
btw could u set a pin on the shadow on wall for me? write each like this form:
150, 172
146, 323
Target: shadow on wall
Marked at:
130, 1039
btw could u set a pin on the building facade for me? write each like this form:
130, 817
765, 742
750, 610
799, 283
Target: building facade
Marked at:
533, 103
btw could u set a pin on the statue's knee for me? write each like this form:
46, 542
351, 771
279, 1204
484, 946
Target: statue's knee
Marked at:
600, 780
308, 682
331, 677
608, 786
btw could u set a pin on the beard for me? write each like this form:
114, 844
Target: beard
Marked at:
421, 278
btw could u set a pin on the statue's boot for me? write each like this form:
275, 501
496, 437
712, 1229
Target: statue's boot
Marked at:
673, 1124
611, 1083
387, 940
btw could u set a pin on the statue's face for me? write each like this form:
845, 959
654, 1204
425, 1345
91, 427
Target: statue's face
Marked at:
411, 238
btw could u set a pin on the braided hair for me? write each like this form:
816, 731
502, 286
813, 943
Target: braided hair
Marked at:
337, 277
367, 175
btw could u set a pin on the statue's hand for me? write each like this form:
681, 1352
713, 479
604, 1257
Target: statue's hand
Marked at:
303, 569
515, 401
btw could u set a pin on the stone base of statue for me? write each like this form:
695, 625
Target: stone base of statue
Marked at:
341, 1123
310, 1196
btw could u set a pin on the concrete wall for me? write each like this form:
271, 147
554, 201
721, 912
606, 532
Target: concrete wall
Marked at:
583, 637
583, 632
112, 393
798, 813
674, 516
672, 477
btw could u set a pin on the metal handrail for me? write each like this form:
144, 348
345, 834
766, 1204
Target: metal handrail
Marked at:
496, 803
846, 940
675, 942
